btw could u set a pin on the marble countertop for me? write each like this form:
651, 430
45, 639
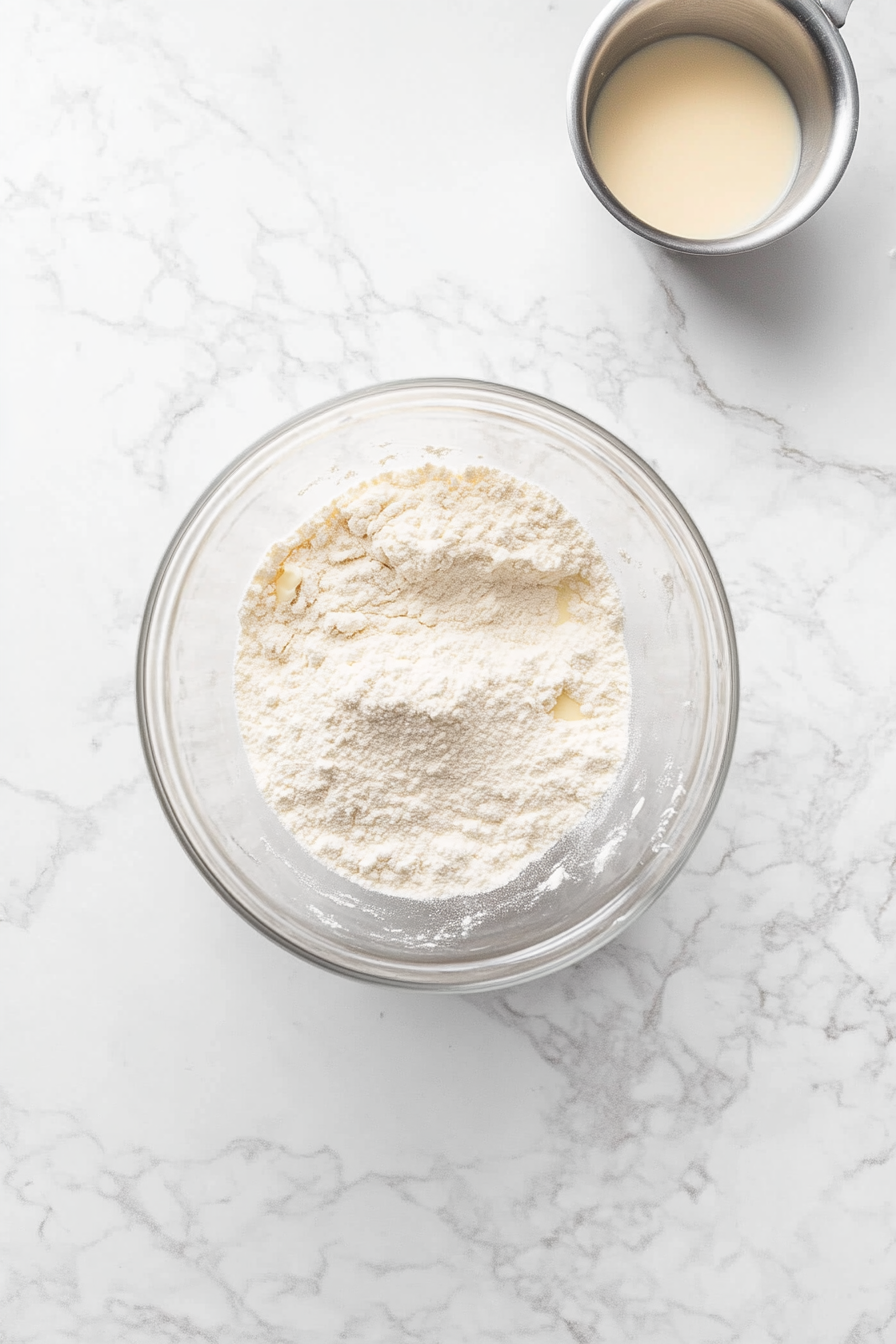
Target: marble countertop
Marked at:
215, 216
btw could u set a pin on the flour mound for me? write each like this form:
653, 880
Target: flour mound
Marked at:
399, 664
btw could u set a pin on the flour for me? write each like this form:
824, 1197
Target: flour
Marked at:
431, 680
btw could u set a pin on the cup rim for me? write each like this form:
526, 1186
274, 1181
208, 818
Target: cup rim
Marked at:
843, 136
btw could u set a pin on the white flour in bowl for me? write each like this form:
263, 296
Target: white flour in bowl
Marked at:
431, 680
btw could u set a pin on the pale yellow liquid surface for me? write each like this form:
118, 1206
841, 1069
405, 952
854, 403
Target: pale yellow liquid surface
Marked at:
696, 136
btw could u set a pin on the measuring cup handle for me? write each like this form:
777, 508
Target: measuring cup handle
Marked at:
836, 10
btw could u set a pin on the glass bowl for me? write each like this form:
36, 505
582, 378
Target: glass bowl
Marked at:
602, 875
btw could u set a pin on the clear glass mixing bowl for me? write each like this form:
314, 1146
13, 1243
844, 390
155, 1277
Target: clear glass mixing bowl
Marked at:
599, 877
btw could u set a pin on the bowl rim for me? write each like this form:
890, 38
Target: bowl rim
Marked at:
474, 975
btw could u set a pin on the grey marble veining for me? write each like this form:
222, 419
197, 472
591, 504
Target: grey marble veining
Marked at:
214, 216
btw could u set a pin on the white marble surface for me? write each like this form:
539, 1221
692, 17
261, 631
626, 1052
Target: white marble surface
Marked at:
213, 216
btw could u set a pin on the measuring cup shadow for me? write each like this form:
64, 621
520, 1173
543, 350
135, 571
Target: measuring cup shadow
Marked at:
782, 291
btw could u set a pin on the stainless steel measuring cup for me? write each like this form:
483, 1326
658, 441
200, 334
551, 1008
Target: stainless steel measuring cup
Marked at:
798, 39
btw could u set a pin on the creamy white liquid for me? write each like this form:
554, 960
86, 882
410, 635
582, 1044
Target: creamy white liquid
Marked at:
696, 136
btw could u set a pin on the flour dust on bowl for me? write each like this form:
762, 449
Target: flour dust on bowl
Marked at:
681, 669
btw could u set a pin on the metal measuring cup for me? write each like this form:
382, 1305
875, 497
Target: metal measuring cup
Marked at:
798, 39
